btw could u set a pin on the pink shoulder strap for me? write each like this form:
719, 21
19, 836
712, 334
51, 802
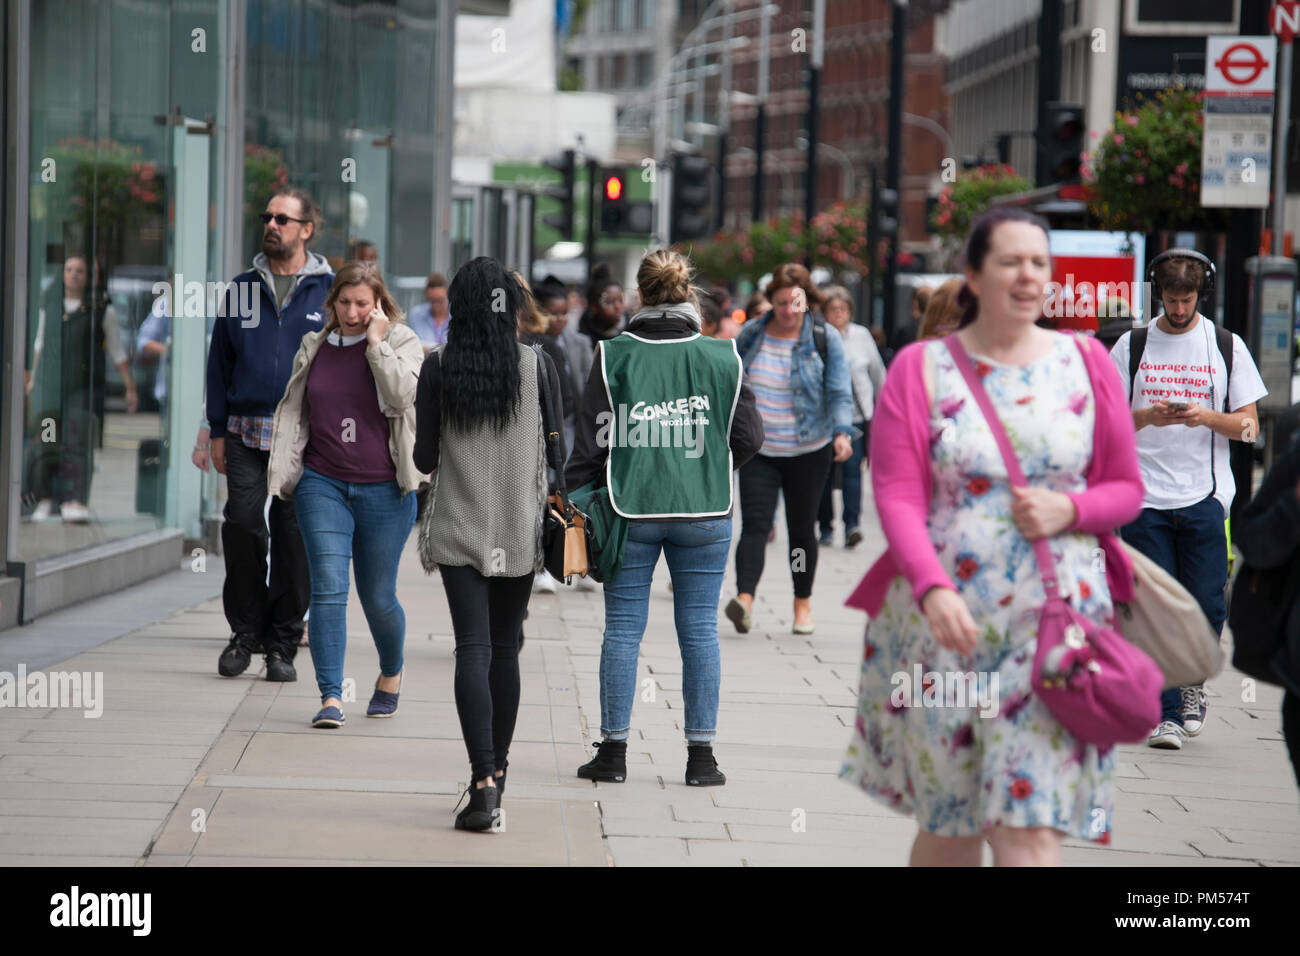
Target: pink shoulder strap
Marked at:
1043, 554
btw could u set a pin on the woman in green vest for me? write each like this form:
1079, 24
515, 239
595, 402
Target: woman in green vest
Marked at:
664, 420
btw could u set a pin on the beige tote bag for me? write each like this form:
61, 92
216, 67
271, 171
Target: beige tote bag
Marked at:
1166, 622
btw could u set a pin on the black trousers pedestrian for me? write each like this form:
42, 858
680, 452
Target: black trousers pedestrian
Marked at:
487, 616
1291, 729
800, 480
270, 609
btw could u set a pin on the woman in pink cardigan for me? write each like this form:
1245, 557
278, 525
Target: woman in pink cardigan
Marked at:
948, 728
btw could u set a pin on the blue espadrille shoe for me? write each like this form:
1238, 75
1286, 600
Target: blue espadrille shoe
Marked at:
329, 718
384, 703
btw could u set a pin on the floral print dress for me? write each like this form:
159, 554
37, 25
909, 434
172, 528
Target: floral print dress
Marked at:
968, 752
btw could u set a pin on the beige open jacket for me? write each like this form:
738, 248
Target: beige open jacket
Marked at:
395, 363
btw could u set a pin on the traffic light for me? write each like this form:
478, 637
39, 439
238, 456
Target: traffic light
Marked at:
1062, 143
1004, 148
620, 216
692, 213
886, 213
562, 192
613, 204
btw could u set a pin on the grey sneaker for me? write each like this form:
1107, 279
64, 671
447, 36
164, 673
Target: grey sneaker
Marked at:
1168, 736
1193, 712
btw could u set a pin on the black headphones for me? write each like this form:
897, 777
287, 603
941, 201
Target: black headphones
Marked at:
1207, 283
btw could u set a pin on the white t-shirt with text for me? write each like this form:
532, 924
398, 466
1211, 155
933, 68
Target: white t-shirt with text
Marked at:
1175, 459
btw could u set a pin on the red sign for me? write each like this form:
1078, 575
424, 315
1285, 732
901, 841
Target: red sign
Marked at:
1090, 290
1241, 63
1285, 19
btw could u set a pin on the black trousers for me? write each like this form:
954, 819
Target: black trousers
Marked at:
762, 481
487, 616
1291, 730
270, 609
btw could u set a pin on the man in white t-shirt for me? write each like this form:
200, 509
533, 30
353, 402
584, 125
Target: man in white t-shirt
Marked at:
1187, 406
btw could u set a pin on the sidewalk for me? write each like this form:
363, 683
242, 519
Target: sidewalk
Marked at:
187, 768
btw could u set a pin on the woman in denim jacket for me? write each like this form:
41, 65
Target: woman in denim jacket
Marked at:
807, 408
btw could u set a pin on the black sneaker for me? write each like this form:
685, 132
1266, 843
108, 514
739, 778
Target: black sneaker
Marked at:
235, 658
701, 769
481, 813
610, 763
279, 668
853, 538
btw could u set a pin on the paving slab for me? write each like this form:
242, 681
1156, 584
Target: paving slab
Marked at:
186, 768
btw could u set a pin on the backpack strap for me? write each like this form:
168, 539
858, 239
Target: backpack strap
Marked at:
1224, 339
819, 336
1137, 345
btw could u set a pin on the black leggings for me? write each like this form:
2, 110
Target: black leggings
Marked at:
762, 480
486, 615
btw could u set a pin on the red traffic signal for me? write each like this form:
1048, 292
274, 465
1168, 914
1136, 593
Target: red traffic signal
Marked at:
613, 188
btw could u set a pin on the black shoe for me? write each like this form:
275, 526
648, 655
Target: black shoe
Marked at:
279, 668
610, 763
484, 804
853, 538
701, 769
235, 658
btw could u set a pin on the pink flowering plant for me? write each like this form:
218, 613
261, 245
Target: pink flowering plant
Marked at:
1145, 172
961, 203
838, 236
107, 182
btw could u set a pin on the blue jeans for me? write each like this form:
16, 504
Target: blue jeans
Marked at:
850, 491
1190, 544
341, 521
697, 558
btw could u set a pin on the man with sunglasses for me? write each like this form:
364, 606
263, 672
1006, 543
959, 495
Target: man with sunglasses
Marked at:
265, 313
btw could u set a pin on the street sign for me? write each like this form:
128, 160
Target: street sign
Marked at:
1285, 19
1236, 153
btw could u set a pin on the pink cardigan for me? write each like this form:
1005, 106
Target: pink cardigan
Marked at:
902, 481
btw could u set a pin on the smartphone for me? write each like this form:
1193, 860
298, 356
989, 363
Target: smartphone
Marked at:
1179, 406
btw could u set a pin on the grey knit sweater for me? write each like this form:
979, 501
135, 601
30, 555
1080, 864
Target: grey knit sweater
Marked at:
485, 508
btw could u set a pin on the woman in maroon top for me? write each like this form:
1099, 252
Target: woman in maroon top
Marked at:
341, 447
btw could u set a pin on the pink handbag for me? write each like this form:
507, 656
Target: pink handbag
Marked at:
1100, 687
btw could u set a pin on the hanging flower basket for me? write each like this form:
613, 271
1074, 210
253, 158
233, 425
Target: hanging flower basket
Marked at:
961, 203
1145, 172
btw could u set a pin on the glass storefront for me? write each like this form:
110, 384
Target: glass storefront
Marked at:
112, 84
342, 96
130, 110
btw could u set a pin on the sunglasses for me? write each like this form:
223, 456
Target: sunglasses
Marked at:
280, 219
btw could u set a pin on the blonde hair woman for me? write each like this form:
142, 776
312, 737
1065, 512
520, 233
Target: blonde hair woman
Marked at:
341, 448
668, 471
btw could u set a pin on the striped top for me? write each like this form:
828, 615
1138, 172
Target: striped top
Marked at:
769, 377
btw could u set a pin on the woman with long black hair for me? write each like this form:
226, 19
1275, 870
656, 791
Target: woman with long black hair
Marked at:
479, 431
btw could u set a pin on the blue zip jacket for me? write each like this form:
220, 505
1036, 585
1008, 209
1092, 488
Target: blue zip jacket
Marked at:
252, 352
823, 395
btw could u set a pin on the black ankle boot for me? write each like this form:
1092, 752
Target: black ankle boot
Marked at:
701, 769
484, 802
610, 763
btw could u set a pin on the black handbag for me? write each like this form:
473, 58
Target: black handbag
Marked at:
566, 531
1262, 607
